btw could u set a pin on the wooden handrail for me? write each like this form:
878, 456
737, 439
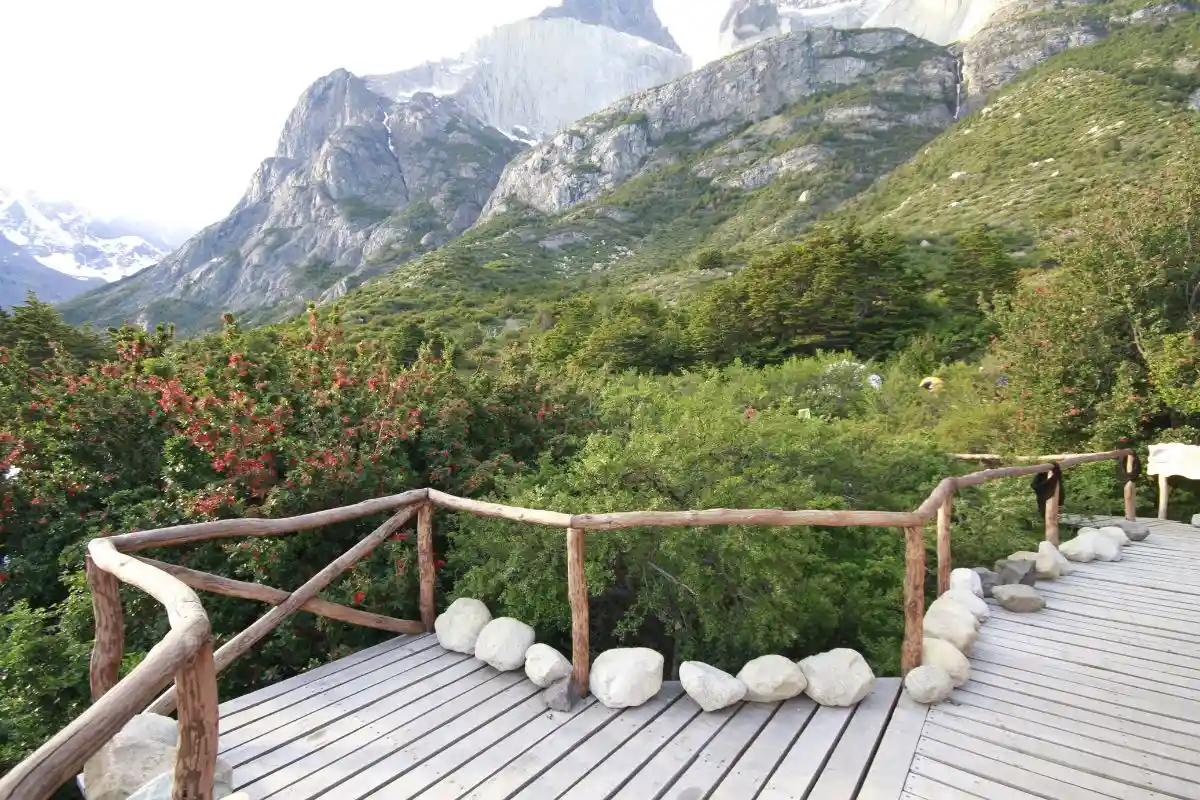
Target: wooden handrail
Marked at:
728, 516
225, 528
479, 508
185, 654
268, 622
228, 587
61, 758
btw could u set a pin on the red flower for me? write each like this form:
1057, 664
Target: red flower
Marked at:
3, 577
439, 564
358, 598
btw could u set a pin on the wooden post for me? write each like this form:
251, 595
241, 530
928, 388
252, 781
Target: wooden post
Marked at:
425, 562
1130, 492
945, 564
1163, 490
109, 647
578, 595
914, 599
1052, 516
196, 761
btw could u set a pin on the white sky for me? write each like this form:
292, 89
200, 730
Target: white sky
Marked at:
162, 110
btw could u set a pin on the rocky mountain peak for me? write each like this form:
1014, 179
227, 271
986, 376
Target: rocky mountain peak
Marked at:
338, 99
635, 17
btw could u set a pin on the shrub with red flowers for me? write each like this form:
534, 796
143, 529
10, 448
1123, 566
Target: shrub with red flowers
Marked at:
252, 424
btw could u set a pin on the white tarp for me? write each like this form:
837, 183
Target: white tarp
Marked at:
1174, 460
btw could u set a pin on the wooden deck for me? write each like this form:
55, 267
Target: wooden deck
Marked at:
1098, 696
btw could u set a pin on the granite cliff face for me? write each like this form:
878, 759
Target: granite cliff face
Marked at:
635, 17
750, 21
1024, 33
534, 77
356, 179
627, 139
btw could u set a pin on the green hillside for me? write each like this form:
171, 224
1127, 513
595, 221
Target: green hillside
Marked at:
1105, 114
1109, 113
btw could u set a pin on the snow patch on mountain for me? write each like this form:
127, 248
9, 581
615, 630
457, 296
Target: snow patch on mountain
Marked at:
540, 75
66, 239
940, 21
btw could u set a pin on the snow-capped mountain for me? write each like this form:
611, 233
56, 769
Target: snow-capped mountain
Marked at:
20, 274
66, 239
940, 21
533, 78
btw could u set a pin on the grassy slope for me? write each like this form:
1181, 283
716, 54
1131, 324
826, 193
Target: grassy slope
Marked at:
1111, 112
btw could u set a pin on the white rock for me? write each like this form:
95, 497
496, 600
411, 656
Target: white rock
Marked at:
927, 684
626, 676
459, 626
711, 688
772, 678
1079, 549
840, 677
977, 607
951, 604
161, 786
502, 643
544, 665
1104, 546
936, 653
1196, 517
1045, 564
141, 750
1065, 567
951, 623
963, 578
1116, 533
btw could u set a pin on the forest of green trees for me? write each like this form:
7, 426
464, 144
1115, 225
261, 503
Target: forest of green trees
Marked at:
754, 392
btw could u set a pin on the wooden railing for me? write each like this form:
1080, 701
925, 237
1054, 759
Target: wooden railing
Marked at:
186, 658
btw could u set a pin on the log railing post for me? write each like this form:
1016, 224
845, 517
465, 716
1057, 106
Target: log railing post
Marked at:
578, 596
109, 647
1164, 489
1052, 515
914, 599
196, 761
944, 559
425, 563
1130, 491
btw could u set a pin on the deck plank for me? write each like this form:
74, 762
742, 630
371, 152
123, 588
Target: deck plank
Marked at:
889, 768
535, 762
847, 766
327, 744
316, 773
798, 770
610, 739
472, 759
613, 772
676, 755
231, 723
243, 702
758, 763
381, 762
295, 721
720, 754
